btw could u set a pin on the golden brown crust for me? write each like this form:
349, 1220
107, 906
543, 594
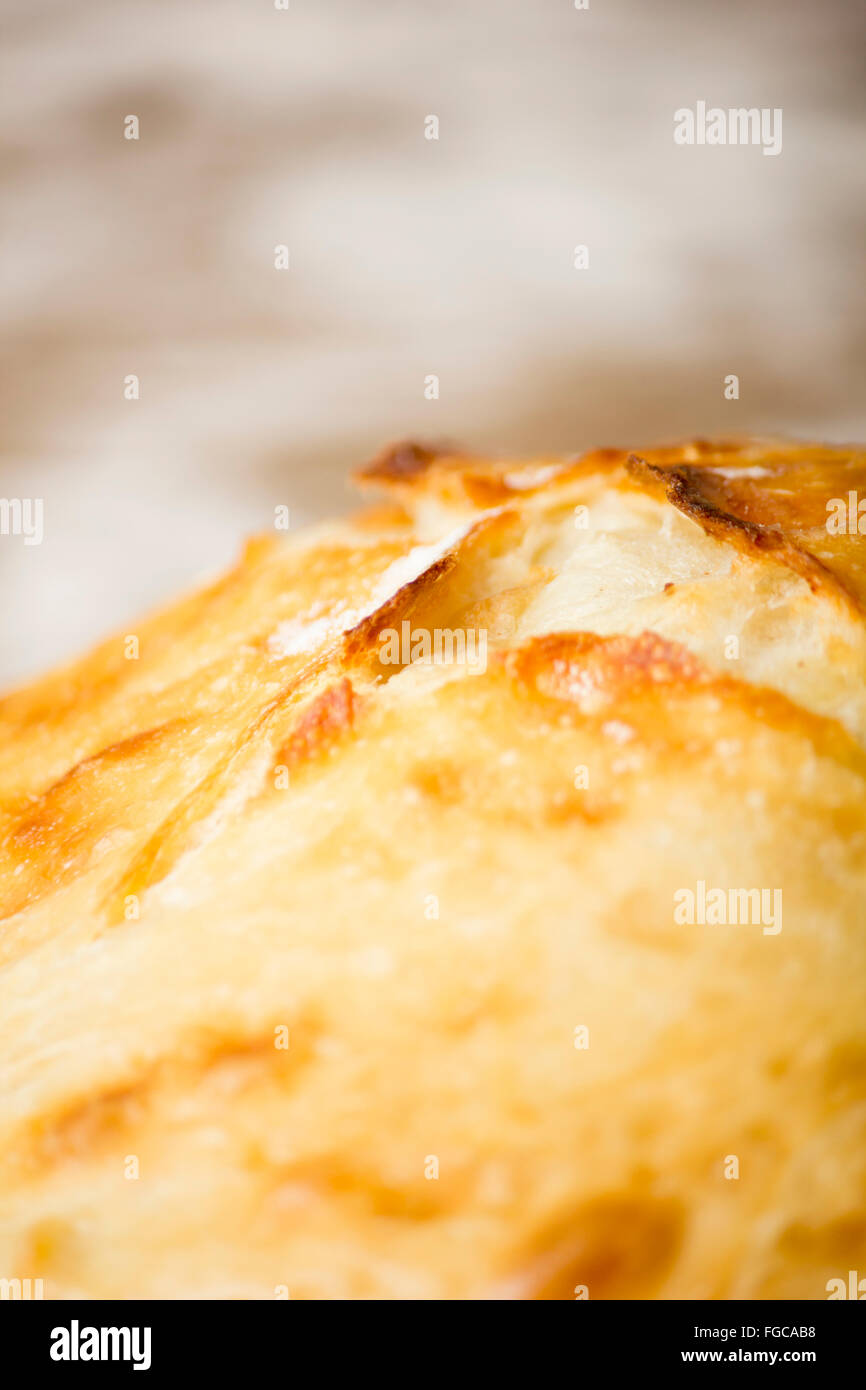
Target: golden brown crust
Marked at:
783, 515
431, 878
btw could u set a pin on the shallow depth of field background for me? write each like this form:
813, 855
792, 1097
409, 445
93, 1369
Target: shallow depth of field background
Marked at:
408, 257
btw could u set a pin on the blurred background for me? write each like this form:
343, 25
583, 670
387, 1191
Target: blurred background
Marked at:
408, 257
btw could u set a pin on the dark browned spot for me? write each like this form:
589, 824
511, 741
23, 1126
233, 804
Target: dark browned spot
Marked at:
441, 782
398, 462
366, 1189
784, 521
86, 1127
846, 1074
618, 1247
329, 715
576, 665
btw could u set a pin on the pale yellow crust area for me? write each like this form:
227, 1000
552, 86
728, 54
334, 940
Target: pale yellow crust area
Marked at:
511, 1071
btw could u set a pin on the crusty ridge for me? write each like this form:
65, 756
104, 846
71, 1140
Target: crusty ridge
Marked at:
198, 723
767, 496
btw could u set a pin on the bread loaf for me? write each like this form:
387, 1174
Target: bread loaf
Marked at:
463, 900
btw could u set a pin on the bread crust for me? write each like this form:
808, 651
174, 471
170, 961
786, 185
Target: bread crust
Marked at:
510, 1072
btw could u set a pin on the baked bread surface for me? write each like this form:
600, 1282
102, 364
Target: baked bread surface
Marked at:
333, 977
